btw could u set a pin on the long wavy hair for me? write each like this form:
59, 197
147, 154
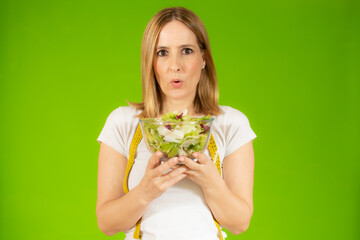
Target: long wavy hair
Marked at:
207, 95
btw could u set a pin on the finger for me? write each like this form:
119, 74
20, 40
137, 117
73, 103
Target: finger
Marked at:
201, 157
174, 180
189, 163
173, 176
177, 166
154, 160
169, 164
191, 174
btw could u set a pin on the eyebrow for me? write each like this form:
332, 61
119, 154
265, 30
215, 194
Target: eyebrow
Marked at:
181, 46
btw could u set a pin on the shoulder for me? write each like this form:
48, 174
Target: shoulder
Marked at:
125, 110
124, 113
123, 117
230, 110
230, 115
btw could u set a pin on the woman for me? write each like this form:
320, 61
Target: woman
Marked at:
176, 201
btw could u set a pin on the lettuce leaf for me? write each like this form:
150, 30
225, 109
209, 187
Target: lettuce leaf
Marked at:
180, 135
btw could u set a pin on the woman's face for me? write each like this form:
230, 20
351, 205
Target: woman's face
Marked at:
178, 62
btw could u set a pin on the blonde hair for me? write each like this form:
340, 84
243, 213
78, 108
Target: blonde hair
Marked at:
206, 99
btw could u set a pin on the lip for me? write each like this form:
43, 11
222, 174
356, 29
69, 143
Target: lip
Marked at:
176, 83
175, 80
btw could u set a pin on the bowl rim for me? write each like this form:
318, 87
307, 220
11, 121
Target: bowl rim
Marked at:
162, 122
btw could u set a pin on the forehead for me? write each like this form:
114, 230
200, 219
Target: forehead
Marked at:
176, 33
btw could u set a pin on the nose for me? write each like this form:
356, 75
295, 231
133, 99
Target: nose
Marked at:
175, 68
175, 64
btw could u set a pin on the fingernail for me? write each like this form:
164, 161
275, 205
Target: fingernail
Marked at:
181, 159
195, 154
175, 160
158, 154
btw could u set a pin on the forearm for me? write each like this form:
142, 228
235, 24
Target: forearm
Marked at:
122, 214
229, 210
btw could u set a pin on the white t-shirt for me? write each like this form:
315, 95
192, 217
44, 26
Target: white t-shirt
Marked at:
181, 212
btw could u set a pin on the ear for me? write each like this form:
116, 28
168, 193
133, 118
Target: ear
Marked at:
203, 55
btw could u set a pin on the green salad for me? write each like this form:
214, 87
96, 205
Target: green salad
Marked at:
177, 134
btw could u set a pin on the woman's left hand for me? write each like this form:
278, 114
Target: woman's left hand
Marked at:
203, 172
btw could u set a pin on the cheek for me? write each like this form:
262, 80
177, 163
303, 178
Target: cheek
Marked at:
160, 74
195, 68
159, 69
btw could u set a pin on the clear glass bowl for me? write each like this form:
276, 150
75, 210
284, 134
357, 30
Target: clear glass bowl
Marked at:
176, 138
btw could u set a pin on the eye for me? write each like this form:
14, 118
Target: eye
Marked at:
187, 51
162, 53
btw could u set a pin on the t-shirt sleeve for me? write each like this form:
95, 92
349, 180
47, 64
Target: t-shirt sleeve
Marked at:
112, 133
238, 131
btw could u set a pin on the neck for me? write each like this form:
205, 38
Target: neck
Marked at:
177, 105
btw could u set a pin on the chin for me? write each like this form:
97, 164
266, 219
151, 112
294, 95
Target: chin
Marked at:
175, 93
178, 95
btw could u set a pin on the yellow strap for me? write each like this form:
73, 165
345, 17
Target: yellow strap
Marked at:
133, 147
219, 230
137, 232
134, 144
216, 158
214, 153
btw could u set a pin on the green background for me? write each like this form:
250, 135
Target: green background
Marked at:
291, 66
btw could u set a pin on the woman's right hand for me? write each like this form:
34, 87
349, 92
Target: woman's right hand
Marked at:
158, 178
128, 208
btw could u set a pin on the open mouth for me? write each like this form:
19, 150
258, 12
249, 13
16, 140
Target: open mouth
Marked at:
176, 83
